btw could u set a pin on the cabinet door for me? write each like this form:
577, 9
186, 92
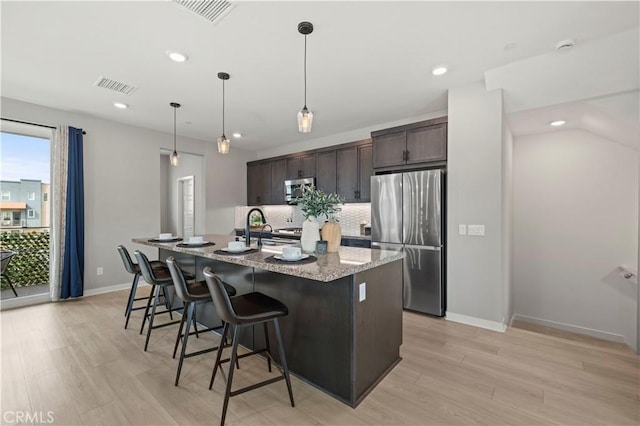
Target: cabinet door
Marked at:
293, 168
427, 144
308, 165
365, 170
326, 171
253, 183
388, 150
347, 176
259, 183
278, 176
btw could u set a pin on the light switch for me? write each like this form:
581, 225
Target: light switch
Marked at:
363, 291
477, 230
462, 229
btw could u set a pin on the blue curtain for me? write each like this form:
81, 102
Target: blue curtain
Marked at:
72, 284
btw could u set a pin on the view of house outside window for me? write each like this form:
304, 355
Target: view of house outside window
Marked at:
25, 185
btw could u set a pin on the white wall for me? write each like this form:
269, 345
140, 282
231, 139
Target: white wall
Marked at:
475, 196
507, 221
122, 189
575, 221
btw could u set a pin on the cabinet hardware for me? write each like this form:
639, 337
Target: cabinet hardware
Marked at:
404, 155
407, 159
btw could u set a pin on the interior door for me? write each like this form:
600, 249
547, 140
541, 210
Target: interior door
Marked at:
186, 206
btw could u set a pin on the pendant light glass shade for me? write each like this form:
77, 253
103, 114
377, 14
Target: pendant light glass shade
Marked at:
305, 117
223, 142
305, 120
173, 159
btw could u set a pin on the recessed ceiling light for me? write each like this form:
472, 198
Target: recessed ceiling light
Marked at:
565, 45
176, 56
237, 135
120, 105
557, 123
439, 70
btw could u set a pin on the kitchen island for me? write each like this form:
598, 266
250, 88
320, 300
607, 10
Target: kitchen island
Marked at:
344, 328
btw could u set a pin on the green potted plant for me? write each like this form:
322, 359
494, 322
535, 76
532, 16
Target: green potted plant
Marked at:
313, 204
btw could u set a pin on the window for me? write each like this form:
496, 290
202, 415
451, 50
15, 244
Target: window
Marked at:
31, 214
6, 218
6, 196
45, 196
31, 196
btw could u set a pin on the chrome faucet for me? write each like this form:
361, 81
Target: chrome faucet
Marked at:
261, 231
247, 231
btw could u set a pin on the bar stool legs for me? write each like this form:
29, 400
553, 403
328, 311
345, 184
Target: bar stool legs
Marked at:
284, 370
155, 294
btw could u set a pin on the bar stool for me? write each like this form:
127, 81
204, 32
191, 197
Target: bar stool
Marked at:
191, 294
241, 312
134, 268
159, 279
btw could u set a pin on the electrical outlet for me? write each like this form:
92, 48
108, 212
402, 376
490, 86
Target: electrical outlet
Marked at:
462, 229
363, 291
477, 230
100, 271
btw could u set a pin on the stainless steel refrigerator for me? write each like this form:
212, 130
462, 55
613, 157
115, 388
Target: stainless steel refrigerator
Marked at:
407, 213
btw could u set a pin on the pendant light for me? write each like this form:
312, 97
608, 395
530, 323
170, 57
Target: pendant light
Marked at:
174, 157
223, 141
305, 117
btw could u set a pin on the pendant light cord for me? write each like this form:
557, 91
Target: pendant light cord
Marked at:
174, 129
305, 70
223, 109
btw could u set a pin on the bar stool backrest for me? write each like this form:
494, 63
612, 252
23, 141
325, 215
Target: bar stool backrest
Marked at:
220, 297
126, 259
145, 267
179, 283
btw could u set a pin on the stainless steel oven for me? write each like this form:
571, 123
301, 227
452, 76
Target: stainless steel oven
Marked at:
293, 188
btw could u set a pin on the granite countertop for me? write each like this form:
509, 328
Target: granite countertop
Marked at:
292, 236
331, 266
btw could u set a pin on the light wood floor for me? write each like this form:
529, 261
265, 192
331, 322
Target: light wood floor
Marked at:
76, 360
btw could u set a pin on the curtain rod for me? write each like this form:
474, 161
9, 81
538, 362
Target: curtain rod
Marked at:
32, 124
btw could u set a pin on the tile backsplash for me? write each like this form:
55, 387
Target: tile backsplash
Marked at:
350, 217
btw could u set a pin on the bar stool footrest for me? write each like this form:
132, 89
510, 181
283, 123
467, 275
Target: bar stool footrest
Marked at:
255, 386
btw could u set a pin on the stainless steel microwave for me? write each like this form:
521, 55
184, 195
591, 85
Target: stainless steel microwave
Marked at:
293, 188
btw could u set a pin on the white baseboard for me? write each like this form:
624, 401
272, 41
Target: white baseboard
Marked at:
613, 337
109, 289
476, 322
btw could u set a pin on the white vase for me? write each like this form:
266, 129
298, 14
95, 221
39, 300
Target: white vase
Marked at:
310, 234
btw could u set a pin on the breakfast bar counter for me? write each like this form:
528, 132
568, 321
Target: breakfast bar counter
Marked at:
344, 328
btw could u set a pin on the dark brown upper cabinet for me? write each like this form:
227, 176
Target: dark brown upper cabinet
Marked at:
259, 183
326, 171
345, 169
354, 170
301, 166
278, 176
413, 144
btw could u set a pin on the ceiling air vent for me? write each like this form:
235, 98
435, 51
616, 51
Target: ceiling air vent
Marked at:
211, 10
116, 86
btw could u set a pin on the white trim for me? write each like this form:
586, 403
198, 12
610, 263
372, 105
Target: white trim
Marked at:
612, 337
476, 322
108, 289
22, 301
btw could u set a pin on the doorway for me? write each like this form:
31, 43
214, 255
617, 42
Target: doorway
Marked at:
186, 206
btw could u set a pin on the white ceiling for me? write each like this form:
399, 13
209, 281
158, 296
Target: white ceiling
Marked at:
368, 62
